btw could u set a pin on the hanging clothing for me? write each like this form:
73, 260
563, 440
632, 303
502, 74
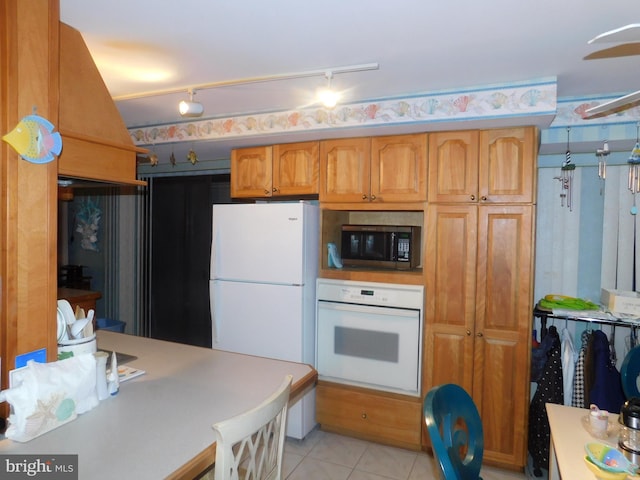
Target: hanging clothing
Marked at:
540, 354
589, 370
578, 398
569, 357
550, 390
613, 357
606, 388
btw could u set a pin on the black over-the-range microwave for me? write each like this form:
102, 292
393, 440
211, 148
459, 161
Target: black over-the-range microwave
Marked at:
381, 246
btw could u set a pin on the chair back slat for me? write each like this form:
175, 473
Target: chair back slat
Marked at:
250, 445
455, 430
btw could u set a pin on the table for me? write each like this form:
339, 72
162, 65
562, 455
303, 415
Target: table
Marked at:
568, 438
85, 299
159, 424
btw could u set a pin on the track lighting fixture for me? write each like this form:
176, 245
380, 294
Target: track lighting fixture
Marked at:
329, 97
190, 108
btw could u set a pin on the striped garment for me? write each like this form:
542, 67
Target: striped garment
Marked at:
578, 398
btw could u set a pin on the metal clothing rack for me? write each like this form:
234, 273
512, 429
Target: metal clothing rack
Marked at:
544, 315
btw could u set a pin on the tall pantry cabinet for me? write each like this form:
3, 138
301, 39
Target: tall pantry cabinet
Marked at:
479, 277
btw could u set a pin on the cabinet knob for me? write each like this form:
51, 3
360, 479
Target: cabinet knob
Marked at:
266, 192
364, 415
473, 197
468, 333
373, 197
275, 190
479, 334
364, 197
483, 198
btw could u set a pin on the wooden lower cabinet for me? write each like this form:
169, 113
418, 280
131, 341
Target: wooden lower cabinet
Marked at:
372, 415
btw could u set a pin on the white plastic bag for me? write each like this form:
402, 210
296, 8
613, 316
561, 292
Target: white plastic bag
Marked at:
50, 395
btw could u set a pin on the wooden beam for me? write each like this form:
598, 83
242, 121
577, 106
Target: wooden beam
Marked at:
29, 80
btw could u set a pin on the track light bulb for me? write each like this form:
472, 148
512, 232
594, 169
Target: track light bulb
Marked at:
189, 108
329, 97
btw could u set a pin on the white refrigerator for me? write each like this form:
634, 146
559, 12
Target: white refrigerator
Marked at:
264, 264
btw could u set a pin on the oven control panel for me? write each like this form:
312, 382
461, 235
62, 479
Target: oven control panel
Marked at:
365, 295
370, 293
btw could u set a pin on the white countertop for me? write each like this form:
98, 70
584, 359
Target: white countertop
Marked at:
569, 438
160, 421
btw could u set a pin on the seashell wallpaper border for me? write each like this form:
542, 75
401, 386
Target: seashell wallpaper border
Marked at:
570, 112
533, 98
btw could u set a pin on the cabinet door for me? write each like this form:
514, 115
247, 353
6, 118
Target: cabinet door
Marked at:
251, 172
503, 329
295, 169
453, 166
450, 274
508, 165
399, 168
345, 170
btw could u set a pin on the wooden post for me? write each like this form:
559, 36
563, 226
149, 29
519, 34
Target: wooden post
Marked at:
29, 79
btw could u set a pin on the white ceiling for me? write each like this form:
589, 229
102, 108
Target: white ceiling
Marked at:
421, 46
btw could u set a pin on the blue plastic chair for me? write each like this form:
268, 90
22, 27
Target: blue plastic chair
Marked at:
629, 372
455, 429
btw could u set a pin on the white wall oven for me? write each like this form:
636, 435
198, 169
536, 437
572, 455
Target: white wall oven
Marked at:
370, 334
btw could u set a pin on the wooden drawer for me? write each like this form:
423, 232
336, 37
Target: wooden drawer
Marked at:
377, 416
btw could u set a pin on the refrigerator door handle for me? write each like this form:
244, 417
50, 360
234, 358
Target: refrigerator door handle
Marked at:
212, 266
214, 317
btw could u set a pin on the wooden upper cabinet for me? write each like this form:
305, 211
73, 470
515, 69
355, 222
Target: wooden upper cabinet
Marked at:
345, 170
378, 169
488, 166
251, 172
278, 170
399, 168
508, 165
453, 166
296, 169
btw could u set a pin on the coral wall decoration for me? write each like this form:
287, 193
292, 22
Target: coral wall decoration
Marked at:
531, 98
87, 224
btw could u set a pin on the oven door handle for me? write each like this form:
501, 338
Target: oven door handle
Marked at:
380, 310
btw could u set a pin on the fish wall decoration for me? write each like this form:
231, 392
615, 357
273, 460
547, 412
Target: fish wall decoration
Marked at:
34, 139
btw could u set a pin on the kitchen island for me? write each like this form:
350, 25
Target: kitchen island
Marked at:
159, 424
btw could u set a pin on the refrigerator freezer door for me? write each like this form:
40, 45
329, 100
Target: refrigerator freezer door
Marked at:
258, 319
262, 243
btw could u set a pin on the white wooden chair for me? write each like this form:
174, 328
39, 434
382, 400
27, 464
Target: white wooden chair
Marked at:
250, 445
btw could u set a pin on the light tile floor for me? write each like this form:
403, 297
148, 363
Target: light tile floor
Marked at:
327, 456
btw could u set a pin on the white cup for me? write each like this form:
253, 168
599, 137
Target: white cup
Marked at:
101, 374
599, 421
